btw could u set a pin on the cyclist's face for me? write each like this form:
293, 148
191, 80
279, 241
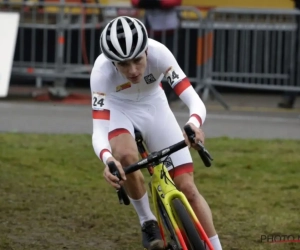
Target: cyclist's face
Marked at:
133, 69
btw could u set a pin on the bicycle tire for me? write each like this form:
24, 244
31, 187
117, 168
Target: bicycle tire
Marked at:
167, 223
188, 225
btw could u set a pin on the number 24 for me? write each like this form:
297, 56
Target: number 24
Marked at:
174, 75
99, 102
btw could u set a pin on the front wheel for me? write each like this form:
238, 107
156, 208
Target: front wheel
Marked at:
195, 242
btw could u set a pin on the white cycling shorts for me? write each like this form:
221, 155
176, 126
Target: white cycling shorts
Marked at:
158, 125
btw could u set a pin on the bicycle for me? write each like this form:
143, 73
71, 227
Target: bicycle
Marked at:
175, 216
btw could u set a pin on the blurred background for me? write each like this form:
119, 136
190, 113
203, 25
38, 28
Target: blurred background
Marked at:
241, 56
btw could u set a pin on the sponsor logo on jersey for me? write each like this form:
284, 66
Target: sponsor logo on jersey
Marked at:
149, 79
123, 86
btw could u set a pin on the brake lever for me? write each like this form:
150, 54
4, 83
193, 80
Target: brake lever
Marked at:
122, 195
203, 153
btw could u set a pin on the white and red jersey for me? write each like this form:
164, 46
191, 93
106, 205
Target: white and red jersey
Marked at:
111, 90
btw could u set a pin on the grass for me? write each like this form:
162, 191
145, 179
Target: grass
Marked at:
53, 196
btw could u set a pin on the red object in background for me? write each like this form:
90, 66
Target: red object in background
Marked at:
163, 4
70, 99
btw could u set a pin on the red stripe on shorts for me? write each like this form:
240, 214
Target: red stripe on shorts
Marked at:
117, 132
181, 169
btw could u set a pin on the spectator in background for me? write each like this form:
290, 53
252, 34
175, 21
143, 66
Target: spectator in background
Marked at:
161, 21
289, 98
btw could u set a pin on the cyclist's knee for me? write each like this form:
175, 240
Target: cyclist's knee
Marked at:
126, 156
124, 149
186, 185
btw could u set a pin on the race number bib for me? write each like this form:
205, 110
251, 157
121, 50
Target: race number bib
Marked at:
98, 100
172, 76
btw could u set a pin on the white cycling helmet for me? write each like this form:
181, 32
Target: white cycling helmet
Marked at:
123, 38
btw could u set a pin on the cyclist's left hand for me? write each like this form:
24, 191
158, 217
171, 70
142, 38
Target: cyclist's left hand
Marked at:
199, 137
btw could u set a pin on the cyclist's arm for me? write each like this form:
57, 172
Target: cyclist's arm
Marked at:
189, 96
101, 115
183, 88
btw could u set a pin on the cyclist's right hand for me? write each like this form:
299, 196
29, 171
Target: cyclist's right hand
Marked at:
110, 178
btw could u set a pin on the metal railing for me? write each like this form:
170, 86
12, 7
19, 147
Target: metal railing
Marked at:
254, 49
57, 41
239, 48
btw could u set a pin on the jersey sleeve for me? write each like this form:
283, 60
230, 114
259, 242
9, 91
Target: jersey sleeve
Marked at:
101, 115
182, 87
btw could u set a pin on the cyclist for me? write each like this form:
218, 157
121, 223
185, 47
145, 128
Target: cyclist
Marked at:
126, 95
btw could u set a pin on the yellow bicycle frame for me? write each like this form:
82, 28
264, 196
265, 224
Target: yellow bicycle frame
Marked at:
162, 186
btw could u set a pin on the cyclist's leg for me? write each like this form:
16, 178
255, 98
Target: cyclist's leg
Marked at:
165, 132
124, 149
185, 183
